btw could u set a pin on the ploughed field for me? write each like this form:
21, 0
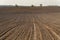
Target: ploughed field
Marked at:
20, 26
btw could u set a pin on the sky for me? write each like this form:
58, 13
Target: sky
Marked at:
30, 2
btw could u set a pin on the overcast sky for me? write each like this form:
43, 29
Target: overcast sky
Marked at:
30, 2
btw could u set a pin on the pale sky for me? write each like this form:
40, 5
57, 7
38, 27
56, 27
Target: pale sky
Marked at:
30, 2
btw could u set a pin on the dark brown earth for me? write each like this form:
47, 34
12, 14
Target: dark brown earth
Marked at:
28, 24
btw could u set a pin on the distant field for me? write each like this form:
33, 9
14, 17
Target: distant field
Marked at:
29, 25
44, 9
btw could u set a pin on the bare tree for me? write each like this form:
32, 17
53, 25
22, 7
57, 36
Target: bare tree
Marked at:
16, 5
32, 6
40, 5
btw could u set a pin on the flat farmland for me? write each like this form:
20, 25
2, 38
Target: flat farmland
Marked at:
30, 26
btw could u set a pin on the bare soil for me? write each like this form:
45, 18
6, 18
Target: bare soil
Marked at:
29, 25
